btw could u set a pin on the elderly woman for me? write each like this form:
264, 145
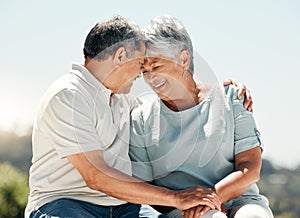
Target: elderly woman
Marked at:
194, 133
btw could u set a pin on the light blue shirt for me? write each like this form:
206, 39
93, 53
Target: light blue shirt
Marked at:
196, 146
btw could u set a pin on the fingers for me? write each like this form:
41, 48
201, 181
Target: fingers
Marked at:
242, 90
215, 199
227, 82
209, 198
195, 196
197, 201
241, 87
212, 196
248, 102
199, 211
204, 211
196, 212
208, 202
193, 212
224, 209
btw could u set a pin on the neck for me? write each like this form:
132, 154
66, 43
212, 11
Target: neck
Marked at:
188, 98
100, 69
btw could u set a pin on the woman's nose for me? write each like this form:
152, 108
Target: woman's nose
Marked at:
152, 78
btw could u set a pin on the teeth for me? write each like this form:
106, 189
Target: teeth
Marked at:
159, 84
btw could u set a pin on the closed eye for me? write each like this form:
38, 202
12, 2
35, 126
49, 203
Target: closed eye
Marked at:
144, 73
156, 67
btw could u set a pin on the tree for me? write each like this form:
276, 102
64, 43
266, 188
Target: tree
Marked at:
13, 191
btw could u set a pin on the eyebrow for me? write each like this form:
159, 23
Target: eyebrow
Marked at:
152, 60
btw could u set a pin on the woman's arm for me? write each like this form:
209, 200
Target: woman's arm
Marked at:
247, 172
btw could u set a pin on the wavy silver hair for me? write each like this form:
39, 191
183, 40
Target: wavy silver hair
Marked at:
166, 35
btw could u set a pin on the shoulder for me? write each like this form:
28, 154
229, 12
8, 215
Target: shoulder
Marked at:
68, 83
237, 105
63, 91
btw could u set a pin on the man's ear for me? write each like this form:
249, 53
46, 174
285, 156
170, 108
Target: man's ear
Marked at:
119, 56
185, 59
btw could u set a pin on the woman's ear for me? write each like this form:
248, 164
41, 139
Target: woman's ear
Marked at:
185, 59
119, 56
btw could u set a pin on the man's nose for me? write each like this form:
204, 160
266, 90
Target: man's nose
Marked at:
139, 74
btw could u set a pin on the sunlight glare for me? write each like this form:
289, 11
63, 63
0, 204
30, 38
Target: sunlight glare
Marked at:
8, 115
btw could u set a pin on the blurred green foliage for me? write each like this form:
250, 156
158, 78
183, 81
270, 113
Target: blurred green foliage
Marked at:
13, 191
281, 186
16, 150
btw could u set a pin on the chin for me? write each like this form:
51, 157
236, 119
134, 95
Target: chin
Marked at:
124, 91
163, 97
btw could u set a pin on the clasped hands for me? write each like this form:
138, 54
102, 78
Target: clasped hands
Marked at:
206, 197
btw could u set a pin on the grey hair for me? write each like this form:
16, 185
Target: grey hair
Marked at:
166, 35
106, 37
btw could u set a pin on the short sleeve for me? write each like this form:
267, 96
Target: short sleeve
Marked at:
68, 121
246, 134
141, 166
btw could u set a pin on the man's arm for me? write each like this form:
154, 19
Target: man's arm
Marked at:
99, 176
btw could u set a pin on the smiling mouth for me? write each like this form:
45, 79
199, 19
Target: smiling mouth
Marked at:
159, 85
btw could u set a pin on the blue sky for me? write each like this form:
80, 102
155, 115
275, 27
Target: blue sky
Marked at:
255, 42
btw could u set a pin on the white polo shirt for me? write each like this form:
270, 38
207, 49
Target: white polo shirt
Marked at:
77, 114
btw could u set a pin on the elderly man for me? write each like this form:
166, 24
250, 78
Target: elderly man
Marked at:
80, 165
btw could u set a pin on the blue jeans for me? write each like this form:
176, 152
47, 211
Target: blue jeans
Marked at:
69, 208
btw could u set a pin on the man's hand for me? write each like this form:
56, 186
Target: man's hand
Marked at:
242, 92
204, 197
200, 210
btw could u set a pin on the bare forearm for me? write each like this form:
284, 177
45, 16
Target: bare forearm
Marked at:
236, 183
124, 187
127, 188
247, 172
99, 176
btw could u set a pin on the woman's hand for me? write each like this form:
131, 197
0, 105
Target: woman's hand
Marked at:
196, 212
199, 210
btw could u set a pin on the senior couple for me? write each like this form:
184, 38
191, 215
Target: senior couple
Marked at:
192, 151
